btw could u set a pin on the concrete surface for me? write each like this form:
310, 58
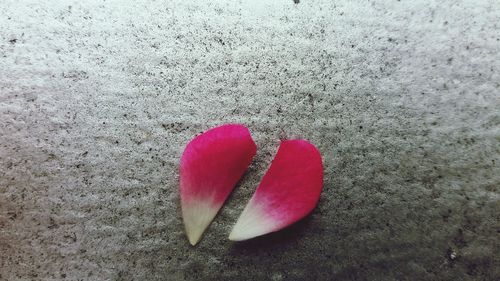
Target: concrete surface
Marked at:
98, 99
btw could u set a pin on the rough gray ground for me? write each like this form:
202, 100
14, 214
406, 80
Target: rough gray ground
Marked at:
98, 99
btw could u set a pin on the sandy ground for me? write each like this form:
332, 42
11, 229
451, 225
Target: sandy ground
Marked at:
98, 99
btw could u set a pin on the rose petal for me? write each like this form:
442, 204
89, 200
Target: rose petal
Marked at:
288, 191
211, 165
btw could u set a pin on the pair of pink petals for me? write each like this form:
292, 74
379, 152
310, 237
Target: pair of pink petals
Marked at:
214, 161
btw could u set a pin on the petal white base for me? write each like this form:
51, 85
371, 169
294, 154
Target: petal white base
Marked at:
197, 215
252, 222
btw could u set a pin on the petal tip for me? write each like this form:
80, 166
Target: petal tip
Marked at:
252, 222
197, 217
193, 240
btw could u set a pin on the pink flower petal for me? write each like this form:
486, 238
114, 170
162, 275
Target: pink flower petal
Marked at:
288, 191
210, 167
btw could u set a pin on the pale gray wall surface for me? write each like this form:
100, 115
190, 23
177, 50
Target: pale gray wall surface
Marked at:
98, 99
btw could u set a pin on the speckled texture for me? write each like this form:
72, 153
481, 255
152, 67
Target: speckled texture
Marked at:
98, 99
